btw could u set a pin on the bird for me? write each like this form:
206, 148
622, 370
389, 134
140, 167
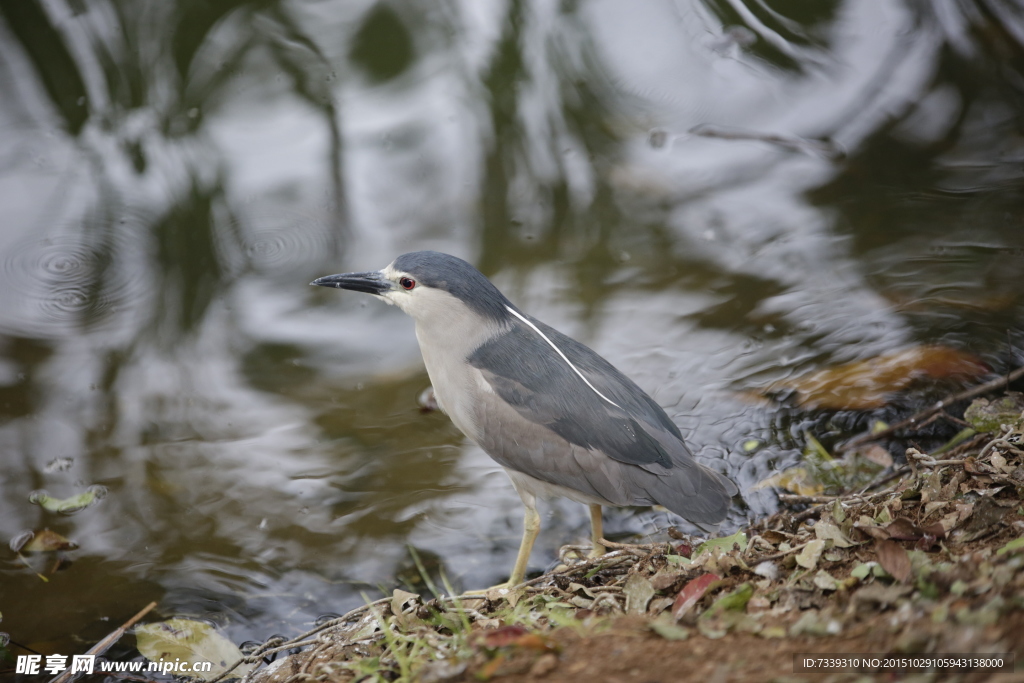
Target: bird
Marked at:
560, 419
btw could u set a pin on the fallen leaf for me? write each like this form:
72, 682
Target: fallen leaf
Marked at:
986, 513
542, 667
533, 641
663, 580
825, 581
726, 544
808, 557
862, 570
190, 641
827, 531
989, 416
872, 530
894, 559
735, 601
932, 488
797, 480
814, 623
999, 463
878, 455
903, 529
503, 636
692, 592
400, 598
1011, 547
868, 384
838, 513
638, 591
882, 595
67, 506
47, 541
669, 630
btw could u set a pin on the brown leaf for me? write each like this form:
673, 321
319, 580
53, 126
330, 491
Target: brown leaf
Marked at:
867, 384
665, 580
47, 541
504, 636
873, 531
638, 591
691, 593
986, 513
877, 455
902, 529
894, 559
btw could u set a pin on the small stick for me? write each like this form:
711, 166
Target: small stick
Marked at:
105, 644
938, 407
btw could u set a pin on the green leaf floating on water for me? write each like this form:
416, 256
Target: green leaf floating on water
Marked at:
67, 506
190, 641
724, 543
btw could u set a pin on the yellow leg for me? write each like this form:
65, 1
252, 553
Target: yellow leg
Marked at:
596, 531
531, 527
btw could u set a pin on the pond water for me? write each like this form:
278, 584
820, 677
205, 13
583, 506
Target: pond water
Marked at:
713, 194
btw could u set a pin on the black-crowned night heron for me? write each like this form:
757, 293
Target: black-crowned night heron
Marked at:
559, 418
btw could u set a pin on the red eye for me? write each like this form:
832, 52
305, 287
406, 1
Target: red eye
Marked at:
407, 283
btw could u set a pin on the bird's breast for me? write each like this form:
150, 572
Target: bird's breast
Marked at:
458, 386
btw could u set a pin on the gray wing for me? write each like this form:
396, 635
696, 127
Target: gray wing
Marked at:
629, 453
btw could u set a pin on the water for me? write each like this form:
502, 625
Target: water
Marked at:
713, 195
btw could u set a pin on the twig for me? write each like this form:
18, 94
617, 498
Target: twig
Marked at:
105, 644
274, 644
634, 548
794, 499
778, 556
588, 564
938, 407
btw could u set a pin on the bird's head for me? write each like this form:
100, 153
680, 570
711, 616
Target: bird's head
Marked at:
430, 286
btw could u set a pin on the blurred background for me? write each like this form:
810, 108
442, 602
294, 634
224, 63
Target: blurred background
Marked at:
716, 195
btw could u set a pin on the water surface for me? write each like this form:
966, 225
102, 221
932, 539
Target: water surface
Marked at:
714, 195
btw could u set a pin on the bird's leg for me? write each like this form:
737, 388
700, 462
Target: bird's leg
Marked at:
531, 527
596, 532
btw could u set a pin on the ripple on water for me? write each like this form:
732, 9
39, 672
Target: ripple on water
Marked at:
292, 242
59, 284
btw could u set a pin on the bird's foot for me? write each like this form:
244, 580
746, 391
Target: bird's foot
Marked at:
597, 551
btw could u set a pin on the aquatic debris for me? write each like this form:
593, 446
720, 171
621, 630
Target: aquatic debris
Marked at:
869, 384
69, 506
193, 642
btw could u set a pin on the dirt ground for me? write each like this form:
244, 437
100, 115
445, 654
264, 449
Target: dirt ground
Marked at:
926, 560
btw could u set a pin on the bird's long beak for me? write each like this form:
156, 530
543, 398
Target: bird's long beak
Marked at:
372, 282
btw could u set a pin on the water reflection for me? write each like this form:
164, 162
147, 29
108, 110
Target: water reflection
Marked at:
174, 173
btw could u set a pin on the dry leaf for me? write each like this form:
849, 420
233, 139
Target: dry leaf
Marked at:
894, 559
999, 463
797, 480
903, 529
691, 593
870, 529
503, 636
808, 557
827, 531
877, 455
825, 581
638, 591
46, 541
867, 384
